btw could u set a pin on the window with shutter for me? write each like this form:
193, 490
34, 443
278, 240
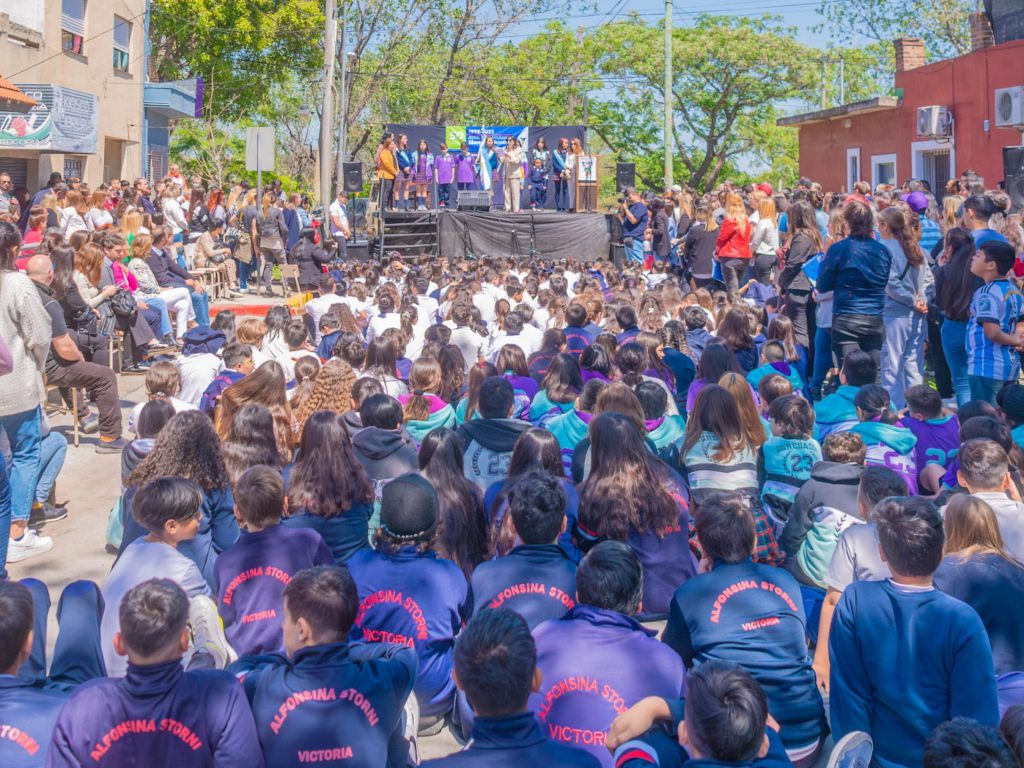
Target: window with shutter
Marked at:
122, 43
72, 25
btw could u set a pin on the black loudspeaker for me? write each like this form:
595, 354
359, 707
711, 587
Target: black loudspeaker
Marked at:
352, 177
474, 200
1013, 174
625, 175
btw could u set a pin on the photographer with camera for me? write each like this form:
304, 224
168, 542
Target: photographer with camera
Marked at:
635, 217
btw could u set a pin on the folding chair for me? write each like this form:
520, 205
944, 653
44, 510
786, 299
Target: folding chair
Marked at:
290, 272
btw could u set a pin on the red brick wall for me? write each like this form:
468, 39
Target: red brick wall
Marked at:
966, 84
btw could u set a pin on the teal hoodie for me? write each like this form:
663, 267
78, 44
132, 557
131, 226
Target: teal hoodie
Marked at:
460, 412
542, 405
671, 431
835, 413
568, 428
1017, 433
781, 369
892, 447
418, 430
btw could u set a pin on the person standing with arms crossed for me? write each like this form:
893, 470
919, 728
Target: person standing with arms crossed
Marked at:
512, 175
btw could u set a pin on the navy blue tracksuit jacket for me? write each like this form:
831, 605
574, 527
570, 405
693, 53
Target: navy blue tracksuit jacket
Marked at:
536, 581
516, 741
157, 716
333, 705
27, 716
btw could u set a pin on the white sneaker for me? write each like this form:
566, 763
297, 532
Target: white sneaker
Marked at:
29, 545
208, 631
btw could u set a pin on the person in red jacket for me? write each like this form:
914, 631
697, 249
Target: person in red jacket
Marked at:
733, 244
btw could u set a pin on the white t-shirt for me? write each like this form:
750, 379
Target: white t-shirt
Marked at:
524, 341
320, 306
856, 558
142, 560
470, 343
98, 218
337, 214
197, 372
380, 323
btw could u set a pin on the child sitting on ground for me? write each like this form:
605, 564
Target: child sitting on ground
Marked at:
163, 382
170, 509
773, 361
836, 412
788, 456
296, 337
889, 445
330, 332
159, 715
938, 435
238, 363
251, 575
771, 388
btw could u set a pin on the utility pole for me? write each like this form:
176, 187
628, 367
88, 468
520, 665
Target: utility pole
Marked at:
342, 101
668, 94
824, 80
327, 111
842, 80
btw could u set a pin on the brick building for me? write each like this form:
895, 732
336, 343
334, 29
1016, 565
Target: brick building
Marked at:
880, 140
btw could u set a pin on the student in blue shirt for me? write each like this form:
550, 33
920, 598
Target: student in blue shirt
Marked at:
904, 656
723, 721
977, 210
537, 579
158, 714
496, 668
29, 699
327, 700
751, 614
966, 743
408, 594
993, 338
251, 574
836, 412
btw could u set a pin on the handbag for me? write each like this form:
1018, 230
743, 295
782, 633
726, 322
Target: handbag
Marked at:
123, 303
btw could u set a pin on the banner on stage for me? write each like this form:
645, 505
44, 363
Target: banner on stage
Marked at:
477, 134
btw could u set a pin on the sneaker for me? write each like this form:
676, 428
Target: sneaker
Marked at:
111, 446
135, 369
46, 513
852, 751
208, 631
90, 425
29, 545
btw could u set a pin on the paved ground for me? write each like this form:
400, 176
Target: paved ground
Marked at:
90, 484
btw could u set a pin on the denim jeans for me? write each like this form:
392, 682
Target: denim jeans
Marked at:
636, 252
24, 433
903, 355
52, 452
77, 655
954, 346
984, 388
5, 517
822, 357
244, 270
201, 305
158, 303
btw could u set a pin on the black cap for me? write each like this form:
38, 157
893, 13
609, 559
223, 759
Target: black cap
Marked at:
408, 508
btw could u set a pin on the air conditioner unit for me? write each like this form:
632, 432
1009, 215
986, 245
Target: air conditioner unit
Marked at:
932, 121
1010, 107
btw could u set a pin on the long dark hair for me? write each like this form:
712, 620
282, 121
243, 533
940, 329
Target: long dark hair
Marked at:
801, 220
63, 259
381, 358
536, 450
563, 381
266, 386
631, 360
251, 441
900, 226
478, 374
955, 294
717, 412
327, 479
461, 526
453, 373
10, 241
716, 361
626, 487
734, 331
187, 447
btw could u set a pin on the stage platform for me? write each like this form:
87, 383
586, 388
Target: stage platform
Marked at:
478, 234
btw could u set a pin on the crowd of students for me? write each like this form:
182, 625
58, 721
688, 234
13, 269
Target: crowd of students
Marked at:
573, 514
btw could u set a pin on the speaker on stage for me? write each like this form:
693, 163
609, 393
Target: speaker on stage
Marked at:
352, 177
625, 176
1013, 174
474, 200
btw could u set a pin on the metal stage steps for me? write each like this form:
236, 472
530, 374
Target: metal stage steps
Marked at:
412, 233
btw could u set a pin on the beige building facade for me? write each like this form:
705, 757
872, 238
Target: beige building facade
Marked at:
83, 61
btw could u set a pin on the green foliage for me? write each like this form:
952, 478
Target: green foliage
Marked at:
942, 24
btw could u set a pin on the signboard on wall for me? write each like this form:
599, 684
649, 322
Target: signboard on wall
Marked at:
477, 134
64, 120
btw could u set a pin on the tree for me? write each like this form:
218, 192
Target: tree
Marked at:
729, 73
942, 24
